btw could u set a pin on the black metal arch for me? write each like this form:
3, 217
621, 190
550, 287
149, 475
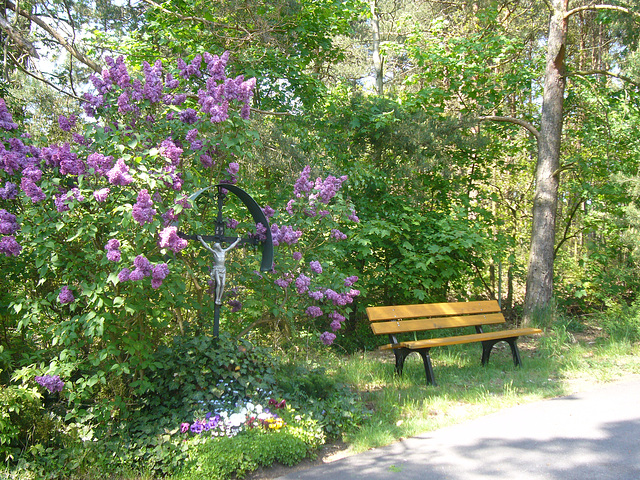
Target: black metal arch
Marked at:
256, 213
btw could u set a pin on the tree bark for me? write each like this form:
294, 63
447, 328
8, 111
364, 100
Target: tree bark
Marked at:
377, 56
541, 256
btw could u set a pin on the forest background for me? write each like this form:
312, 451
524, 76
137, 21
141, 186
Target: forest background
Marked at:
473, 149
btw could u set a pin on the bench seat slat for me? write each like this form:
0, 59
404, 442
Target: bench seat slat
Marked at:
401, 326
476, 337
431, 310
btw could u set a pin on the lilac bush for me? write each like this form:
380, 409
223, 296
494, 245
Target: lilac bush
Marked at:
92, 221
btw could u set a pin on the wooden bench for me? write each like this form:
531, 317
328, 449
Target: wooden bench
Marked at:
394, 320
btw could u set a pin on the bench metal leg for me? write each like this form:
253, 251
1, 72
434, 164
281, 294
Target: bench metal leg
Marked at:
488, 345
515, 353
401, 355
428, 369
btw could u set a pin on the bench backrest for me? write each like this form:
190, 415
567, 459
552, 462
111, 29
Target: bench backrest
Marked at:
430, 316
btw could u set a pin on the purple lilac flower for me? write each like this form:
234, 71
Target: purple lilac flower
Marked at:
8, 224
171, 83
100, 163
297, 256
32, 172
216, 65
268, 211
332, 295
101, 195
327, 338
206, 160
315, 266
289, 236
219, 113
353, 293
9, 246
337, 234
335, 325
317, 295
158, 274
235, 305
349, 281
189, 116
60, 202
191, 135
152, 89
9, 191
65, 296
50, 382
261, 232
233, 169
336, 317
113, 250
353, 217
314, 311
289, 207
69, 162
172, 178
169, 239
303, 185
10, 162
143, 268
119, 174
232, 223
124, 275
171, 151
328, 188
284, 282
191, 69
302, 283
80, 139
142, 211
67, 123
31, 190
123, 103
6, 120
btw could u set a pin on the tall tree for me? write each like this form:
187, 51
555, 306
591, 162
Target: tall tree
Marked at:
539, 291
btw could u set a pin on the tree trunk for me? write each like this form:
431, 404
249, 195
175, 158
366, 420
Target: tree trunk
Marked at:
540, 273
377, 56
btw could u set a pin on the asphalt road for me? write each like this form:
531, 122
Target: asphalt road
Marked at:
586, 436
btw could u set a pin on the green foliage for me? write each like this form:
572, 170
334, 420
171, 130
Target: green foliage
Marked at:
223, 457
316, 390
196, 369
622, 323
20, 413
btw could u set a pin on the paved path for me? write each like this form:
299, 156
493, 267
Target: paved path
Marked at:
585, 436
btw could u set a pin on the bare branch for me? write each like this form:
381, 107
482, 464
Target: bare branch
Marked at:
532, 130
566, 236
591, 8
16, 37
603, 72
264, 112
44, 80
59, 38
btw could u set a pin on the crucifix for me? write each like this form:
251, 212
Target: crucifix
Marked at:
214, 242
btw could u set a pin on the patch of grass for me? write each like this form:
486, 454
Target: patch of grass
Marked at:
554, 364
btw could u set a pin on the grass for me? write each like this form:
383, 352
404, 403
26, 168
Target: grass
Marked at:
554, 365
